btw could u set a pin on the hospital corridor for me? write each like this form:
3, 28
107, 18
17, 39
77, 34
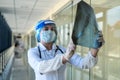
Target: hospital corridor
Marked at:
24, 22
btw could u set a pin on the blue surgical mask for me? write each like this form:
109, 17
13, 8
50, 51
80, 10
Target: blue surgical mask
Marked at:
48, 36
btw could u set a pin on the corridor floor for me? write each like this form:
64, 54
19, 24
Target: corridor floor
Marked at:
19, 70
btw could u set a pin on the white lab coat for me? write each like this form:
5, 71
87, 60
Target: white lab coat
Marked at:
50, 66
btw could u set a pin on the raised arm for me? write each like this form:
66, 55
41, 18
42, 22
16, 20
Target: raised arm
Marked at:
86, 62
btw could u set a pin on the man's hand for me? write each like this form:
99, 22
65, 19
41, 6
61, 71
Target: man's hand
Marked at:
99, 41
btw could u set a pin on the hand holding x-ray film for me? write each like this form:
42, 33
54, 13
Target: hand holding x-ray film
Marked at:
70, 50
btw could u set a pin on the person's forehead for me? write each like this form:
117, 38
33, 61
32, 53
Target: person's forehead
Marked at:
49, 26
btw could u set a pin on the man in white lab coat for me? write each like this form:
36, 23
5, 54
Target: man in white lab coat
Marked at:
48, 60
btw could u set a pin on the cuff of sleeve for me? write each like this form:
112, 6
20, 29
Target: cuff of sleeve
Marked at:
61, 58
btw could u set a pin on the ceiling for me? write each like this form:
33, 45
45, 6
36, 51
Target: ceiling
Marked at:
22, 15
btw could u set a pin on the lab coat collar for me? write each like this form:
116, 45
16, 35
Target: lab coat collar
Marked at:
42, 47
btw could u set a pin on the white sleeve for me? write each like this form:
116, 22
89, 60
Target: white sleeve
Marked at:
84, 62
44, 66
